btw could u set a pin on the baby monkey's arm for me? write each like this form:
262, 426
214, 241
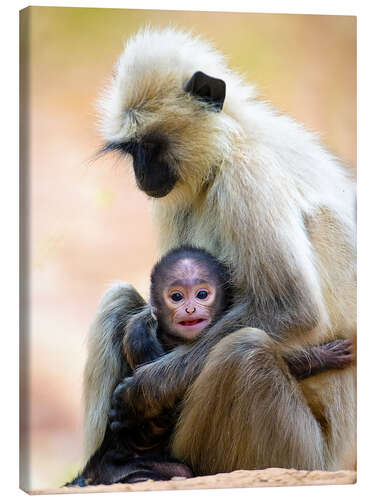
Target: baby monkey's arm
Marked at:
140, 342
141, 345
337, 354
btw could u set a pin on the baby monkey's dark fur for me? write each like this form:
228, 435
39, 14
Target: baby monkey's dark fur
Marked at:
134, 451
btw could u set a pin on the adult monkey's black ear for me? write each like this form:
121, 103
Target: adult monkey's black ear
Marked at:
207, 88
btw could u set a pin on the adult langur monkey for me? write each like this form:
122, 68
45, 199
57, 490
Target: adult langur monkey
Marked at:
229, 174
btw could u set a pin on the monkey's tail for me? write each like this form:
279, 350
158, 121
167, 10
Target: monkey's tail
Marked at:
106, 365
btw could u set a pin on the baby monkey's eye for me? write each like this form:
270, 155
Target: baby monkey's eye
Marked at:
176, 297
202, 294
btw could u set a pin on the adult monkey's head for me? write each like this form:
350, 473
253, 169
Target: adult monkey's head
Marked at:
164, 107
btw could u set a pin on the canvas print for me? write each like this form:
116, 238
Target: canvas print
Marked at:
188, 263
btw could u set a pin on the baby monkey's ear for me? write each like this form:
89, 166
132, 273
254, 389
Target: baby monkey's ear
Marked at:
208, 89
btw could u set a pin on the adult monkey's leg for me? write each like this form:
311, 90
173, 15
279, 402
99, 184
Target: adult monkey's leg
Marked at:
246, 411
106, 364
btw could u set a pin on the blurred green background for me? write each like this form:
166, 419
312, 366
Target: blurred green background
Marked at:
88, 224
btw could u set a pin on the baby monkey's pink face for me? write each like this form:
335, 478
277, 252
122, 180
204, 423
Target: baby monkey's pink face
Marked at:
190, 300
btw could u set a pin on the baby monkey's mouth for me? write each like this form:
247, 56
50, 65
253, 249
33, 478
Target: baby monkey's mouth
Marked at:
193, 322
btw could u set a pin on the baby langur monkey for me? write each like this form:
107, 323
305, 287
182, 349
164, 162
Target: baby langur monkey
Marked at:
190, 290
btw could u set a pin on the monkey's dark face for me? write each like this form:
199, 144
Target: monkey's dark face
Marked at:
153, 172
190, 301
169, 129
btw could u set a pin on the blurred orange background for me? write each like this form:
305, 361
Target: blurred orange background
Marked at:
87, 223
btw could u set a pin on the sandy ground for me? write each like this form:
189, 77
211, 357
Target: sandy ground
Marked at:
236, 479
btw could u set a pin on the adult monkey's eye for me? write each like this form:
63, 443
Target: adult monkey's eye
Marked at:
176, 297
202, 294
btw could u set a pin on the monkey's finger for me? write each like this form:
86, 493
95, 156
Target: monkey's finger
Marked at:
117, 401
338, 353
126, 423
120, 391
117, 426
346, 358
348, 352
113, 415
338, 345
121, 420
118, 416
343, 361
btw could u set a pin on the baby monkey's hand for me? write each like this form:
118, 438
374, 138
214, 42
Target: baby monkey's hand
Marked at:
339, 353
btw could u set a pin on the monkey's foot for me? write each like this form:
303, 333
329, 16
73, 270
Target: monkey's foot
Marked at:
129, 407
157, 471
123, 414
